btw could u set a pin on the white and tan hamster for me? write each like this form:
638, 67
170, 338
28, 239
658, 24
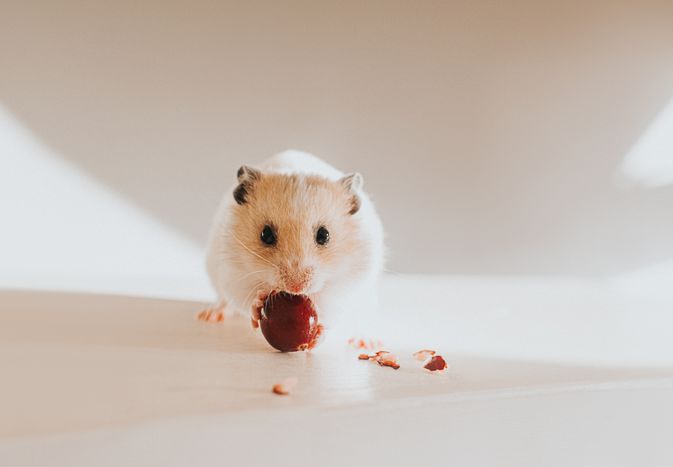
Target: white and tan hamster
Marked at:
299, 225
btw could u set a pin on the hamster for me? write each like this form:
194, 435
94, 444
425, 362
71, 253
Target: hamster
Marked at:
297, 224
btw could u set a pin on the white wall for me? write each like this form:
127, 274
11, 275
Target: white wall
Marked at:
488, 132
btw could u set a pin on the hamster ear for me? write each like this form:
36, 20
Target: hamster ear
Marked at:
245, 172
353, 183
247, 176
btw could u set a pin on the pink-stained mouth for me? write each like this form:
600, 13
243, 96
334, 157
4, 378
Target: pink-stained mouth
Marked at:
295, 289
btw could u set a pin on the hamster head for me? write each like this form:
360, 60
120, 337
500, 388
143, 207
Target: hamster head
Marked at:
297, 233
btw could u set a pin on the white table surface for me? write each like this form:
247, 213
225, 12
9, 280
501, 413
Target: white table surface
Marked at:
542, 373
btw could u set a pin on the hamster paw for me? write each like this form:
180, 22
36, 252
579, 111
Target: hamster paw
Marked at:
213, 314
256, 308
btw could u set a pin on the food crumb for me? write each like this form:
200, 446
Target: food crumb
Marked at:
382, 357
285, 387
436, 363
387, 359
391, 364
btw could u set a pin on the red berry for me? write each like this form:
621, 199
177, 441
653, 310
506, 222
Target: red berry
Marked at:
290, 322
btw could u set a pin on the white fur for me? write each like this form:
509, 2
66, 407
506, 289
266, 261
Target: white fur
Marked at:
353, 298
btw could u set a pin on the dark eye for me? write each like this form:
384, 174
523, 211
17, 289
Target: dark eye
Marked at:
322, 236
268, 236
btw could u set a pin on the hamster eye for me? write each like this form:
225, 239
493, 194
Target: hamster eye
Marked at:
322, 236
268, 236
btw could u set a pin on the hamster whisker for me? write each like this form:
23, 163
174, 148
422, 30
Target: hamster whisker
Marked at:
228, 257
253, 290
252, 252
247, 275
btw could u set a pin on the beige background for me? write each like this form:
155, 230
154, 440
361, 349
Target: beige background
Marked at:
488, 132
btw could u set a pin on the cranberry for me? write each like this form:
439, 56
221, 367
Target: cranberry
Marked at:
290, 322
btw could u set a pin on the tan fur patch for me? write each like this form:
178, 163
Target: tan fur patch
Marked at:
295, 206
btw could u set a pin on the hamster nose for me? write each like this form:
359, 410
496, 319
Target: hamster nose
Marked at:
298, 281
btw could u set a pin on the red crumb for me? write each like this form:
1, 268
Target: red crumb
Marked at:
436, 363
280, 390
423, 355
387, 359
392, 364
284, 388
381, 357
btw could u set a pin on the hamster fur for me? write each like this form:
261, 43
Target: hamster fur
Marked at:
286, 200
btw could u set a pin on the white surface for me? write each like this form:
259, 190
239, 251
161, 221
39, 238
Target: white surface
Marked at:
537, 377
564, 320
593, 425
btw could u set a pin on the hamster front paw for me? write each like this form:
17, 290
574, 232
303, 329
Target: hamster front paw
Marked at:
214, 313
256, 308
